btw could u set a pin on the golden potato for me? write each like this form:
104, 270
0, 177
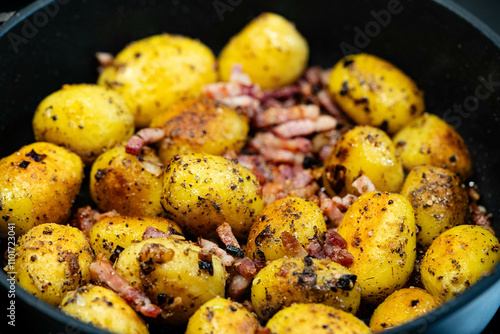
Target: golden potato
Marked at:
270, 49
129, 184
374, 92
171, 273
113, 234
52, 260
222, 316
315, 318
402, 306
38, 185
304, 280
200, 125
380, 232
104, 309
155, 72
363, 150
302, 218
439, 201
457, 259
202, 191
87, 119
429, 140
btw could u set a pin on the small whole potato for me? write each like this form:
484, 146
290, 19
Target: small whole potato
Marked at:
129, 184
222, 316
304, 280
315, 318
202, 191
428, 140
374, 92
301, 218
111, 235
103, 309
200, 125
155, 72
457, 259
86, 119
170, 272
270, 49
51, 260
363, 150
380, 232
439, 201
402, 306
38, 185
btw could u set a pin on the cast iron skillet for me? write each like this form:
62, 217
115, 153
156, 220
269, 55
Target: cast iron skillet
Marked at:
445, 49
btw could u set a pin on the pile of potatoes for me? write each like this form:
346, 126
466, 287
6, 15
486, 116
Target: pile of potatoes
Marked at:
185, 188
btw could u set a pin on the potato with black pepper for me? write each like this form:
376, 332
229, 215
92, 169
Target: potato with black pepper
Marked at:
38, 185
200, 125
457, 259
402, 306
202, 191
103, 308
112, 235
300, 218
270, 49
129, 184
86, 119
439, 201
304, 280
430, 141
380, 232
222, 316
153, 73
51, 260
170, 271
363, 150
374, 92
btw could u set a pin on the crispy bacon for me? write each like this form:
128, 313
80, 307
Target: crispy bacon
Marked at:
153, 232
226, 259
87, 217
144, 137
278, 115
226, 235
305, 127
263, 141
246, 267
292, 245
363, 184
238, 285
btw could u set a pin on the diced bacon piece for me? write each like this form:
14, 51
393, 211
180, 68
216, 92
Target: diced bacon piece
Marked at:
226, 235
105, 59
305, 127
326, 102
292, 245
279, 93
143, 137
238, 285
363, 184
479, 217
267, 141
153, 232
277, 115
226, 259
245, 267
314, 248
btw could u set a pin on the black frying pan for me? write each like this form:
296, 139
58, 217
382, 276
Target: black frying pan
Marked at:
448, 52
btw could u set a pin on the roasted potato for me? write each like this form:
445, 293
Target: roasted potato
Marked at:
304, 280
315, 318
129, 184
428, 140
439, 201
87, 119
51, 260
303, 219
457, 259
374, 92
104, 309
363, 150
111, 235
270, 49
380, 232
200, 125
171, 273
202, 191
402, 306
38, 185
155, 72
222, 316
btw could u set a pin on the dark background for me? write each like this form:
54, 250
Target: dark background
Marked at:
486, 10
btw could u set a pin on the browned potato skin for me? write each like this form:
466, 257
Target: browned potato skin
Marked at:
111, 233
200, 125
429, 140
303, 219
128, 184
284, 282
439, 201
402, 306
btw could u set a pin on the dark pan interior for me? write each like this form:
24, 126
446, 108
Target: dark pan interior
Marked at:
444, 53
